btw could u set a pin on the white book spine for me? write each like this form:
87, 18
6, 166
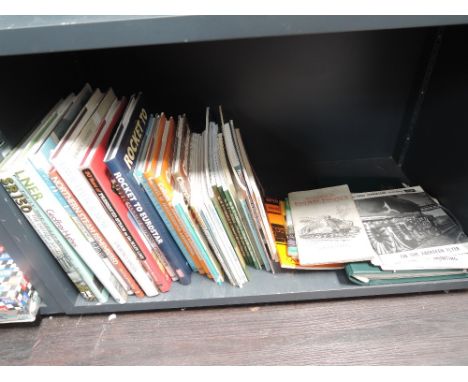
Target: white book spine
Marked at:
80, 275
42, 167
62, 220
82, 190
214, 246
225, 244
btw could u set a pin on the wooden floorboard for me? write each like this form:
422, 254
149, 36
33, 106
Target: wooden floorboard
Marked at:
427, 329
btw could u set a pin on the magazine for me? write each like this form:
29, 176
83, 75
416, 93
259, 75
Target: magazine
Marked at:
408, 229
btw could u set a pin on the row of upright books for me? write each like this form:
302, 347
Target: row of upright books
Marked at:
129, 202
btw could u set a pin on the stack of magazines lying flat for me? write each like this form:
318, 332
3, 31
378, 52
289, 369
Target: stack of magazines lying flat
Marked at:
129, 202
382, 237
19, 302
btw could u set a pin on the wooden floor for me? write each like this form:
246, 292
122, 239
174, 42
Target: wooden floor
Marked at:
426, 329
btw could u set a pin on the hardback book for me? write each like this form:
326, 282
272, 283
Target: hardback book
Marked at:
120, 159
211, 153
195, 201
33, 198
147, 230
207, 217
76, 270
364, 273
73, 155
39, 159
97, 174
180, 161
141, 160
155, 178
255, 193
408, 229
67, 174
220, 218
209, 260
328, 227
170, 203
248, 210
61, 157
230, 201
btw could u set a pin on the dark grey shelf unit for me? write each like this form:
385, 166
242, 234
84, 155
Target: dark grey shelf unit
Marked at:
368, 101
40, 34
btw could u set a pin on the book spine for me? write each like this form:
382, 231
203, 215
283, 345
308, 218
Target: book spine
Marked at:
275, 213
77, 183
290, 234
202, 222
42, 167
144, 212
234, 263
113, 261
245, 240
89, 287
225, 220
259, 244
203, 247
58, 215
167, 214
229, 220
155, 270
148, 237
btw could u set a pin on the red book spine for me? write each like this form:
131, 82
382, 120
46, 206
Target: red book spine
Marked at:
149, 262
97, 174
95, 233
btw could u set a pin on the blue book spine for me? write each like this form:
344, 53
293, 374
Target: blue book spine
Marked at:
121, 166
162, 214
217, 277
153, 222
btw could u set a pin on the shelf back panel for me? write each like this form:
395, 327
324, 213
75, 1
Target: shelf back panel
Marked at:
298, 100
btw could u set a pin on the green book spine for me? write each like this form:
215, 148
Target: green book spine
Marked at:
239, 226
254, 235
212, 266
357, 272
216, 200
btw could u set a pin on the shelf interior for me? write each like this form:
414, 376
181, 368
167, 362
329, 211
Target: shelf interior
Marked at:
314, 110
286, 285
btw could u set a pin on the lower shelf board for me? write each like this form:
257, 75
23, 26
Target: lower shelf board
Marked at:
263, 287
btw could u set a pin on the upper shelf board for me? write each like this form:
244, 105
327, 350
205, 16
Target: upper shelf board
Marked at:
45, 34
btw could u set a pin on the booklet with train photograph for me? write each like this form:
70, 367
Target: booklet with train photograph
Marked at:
328, 227
409, 229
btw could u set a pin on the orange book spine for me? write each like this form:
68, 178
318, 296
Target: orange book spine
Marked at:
164, 192
183, 235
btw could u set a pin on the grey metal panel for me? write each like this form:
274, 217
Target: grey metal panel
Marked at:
34, 259
38, 34
263, 288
